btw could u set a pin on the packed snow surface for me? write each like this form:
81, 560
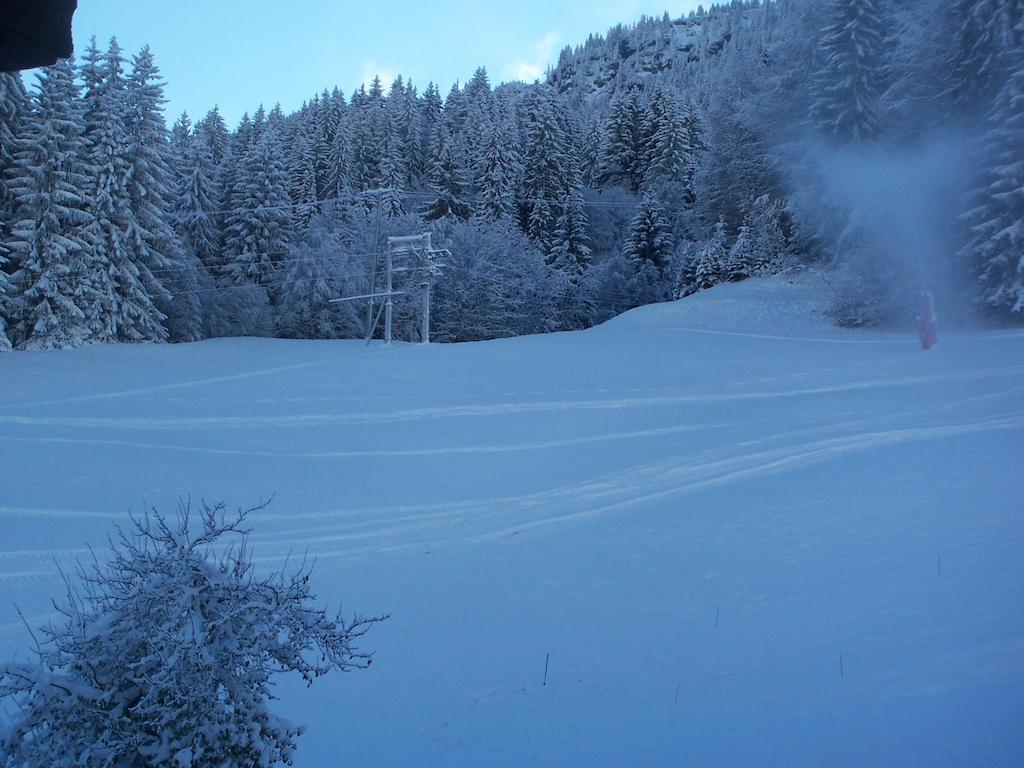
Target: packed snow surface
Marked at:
741, 537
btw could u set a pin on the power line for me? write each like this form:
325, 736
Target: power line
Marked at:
354, 198
509, 269
177, 270
607, 299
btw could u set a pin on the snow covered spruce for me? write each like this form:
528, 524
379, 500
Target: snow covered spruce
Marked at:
166, 653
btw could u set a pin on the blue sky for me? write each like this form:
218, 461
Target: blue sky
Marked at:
240, 53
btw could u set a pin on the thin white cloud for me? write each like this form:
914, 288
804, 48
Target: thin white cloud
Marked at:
371, 70
533, 68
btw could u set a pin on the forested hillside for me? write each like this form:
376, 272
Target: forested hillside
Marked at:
879, 141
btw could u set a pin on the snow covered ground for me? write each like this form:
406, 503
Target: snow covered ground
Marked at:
695, 509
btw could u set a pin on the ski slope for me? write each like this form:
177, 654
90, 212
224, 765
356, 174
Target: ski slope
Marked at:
743, 537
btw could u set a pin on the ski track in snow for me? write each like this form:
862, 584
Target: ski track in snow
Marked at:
42, 512
679, 476
165, 387
765, 463
498, 409
443, 451
901, 340
413, 528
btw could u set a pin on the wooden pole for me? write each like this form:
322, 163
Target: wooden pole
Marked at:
388, 305
425, 316
370, 323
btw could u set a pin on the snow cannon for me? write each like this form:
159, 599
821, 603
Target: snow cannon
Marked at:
927, 325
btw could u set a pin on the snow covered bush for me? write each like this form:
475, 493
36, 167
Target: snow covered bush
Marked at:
495, 283
164, 655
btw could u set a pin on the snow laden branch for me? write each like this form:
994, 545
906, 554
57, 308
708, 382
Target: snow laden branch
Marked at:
164, 654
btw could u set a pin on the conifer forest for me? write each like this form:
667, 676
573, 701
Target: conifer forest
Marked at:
650, 163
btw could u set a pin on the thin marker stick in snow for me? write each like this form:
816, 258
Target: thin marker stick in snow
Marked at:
676, 702
841, 673
547, 658
718, 611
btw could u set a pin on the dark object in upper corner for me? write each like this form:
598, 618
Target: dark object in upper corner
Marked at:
34, 33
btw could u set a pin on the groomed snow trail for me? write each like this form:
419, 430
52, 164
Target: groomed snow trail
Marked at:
743, 537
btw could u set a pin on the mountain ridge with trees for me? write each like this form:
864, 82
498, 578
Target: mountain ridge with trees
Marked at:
651, 162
